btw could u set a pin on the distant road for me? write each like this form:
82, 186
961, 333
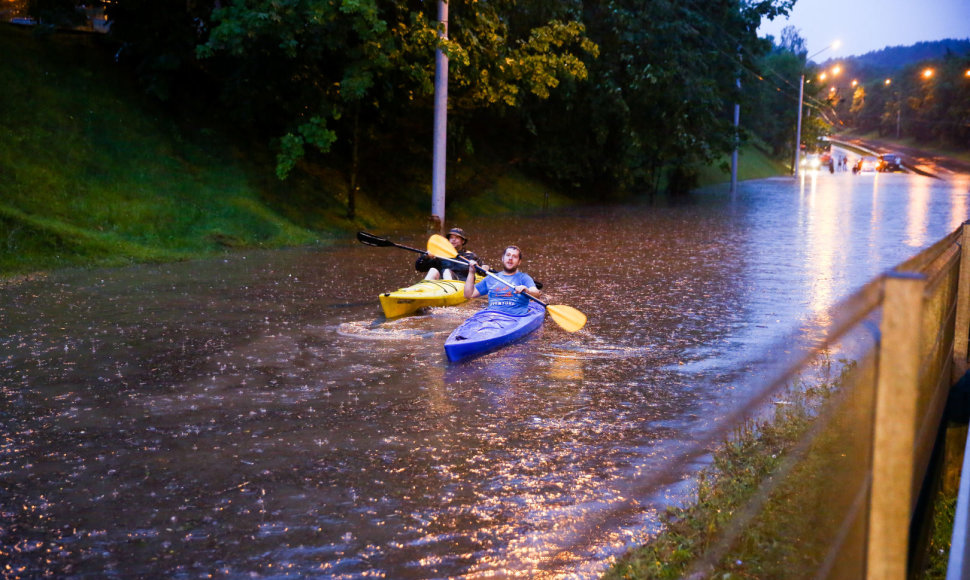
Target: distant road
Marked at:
920, 161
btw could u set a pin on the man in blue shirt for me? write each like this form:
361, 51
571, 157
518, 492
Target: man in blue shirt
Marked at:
503, 297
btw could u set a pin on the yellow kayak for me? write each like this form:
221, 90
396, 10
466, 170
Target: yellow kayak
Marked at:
425, 293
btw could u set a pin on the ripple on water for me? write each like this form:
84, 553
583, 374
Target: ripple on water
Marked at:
433, 323
581, 351
370, 331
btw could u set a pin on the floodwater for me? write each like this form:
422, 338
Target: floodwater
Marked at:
256, 416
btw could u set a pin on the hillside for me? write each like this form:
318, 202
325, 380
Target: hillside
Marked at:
894, 58
94, 173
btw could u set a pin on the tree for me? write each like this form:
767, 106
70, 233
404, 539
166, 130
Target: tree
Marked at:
57, 13
314, 63
858, 104
791, 41
659, 97
158, 40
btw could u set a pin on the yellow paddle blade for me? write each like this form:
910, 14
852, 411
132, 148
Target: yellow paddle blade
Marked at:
440, 247
567, 317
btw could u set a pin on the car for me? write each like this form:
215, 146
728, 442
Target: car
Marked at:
890, 162
827, 161
811, 161
866, 164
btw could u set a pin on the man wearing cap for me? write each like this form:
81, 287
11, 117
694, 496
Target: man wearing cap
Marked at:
438, 268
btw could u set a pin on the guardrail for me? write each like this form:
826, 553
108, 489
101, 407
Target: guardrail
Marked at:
874, 452
920, 357
920, 352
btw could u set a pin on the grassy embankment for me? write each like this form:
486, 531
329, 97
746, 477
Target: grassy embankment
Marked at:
93, 173
786, 537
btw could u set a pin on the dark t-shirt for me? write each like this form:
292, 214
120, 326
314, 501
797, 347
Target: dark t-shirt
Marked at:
425, 263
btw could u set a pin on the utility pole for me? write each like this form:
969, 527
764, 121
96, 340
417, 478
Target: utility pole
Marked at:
798, 130
737, 122
899, 110
437, 220
801, 98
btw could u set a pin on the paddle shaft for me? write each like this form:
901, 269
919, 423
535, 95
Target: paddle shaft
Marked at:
372, 240
504, 281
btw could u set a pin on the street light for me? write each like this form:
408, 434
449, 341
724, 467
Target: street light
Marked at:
899, 105
437, 220
801, 97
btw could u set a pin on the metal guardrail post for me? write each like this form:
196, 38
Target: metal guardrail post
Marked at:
897, 388
961, 338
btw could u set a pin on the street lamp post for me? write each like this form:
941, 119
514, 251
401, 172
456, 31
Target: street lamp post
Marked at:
798, 130
899, 112
737, 122
801, 96
437, 219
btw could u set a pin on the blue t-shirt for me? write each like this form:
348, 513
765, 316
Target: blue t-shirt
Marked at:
503, 298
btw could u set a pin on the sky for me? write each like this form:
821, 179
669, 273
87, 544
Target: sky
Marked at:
863, 26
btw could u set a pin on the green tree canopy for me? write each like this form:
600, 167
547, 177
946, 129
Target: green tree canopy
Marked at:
313, 61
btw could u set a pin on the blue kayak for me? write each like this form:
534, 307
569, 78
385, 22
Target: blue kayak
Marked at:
487, 330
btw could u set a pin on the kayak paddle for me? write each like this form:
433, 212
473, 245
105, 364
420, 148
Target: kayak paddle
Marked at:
372, 240
566, 317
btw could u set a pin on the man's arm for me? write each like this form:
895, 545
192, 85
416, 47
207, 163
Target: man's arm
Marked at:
470, 290
532, 290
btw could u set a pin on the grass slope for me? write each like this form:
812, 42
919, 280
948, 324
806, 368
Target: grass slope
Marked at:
93, 173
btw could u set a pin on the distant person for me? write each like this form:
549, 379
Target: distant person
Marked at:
437, 268
502, 297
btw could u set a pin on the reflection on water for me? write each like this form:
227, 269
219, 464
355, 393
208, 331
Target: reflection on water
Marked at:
918, 213
256, 415
566, 366
822, 235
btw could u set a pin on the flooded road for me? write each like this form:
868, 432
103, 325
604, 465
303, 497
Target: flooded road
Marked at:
256, 416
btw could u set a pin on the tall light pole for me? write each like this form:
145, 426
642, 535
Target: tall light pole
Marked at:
437, 220
801, 96
737, 122
798, 129
899, 113
899, 105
